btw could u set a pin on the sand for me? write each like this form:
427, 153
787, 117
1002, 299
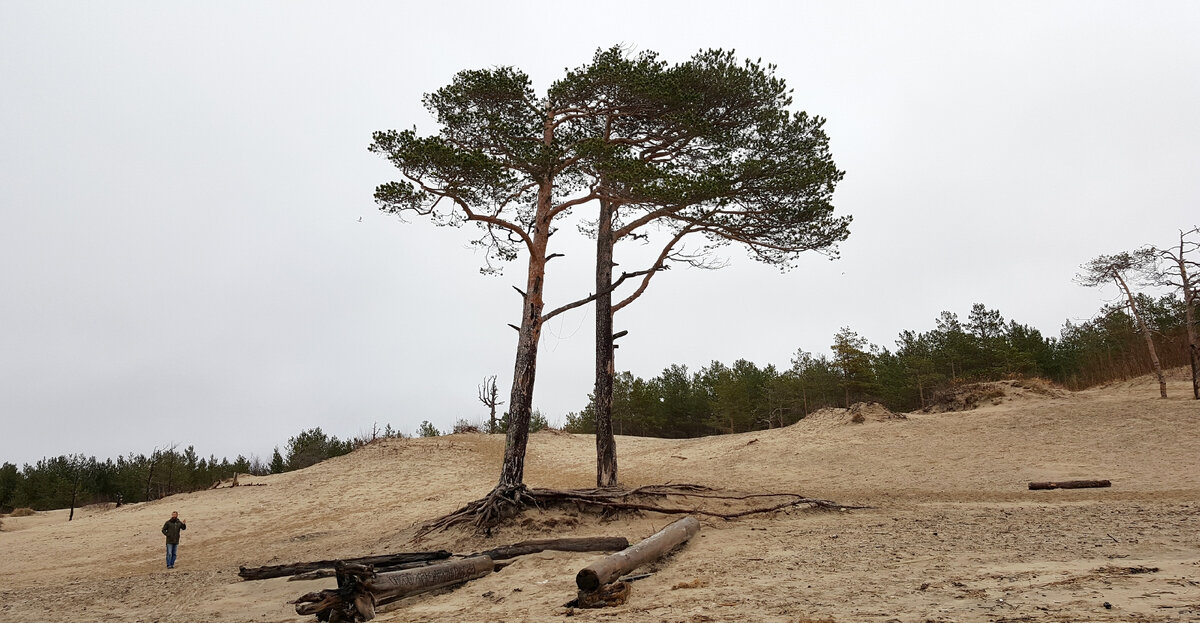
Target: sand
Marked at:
953, 533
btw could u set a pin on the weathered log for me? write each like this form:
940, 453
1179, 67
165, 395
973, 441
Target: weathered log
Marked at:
582, 544
608, 569
361, 593
329, 573
1069, 484
387, 587
383, 560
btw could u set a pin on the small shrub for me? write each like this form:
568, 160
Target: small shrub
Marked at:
23, 512
463, 426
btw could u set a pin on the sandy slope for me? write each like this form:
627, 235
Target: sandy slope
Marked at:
953, 535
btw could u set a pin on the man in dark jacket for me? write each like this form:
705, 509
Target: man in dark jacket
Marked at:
171, 529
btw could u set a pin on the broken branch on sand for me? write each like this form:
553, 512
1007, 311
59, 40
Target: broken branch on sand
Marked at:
1069, 484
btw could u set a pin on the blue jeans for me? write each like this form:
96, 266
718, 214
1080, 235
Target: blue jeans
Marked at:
172, 549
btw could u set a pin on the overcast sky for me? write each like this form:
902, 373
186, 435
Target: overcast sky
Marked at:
190, 252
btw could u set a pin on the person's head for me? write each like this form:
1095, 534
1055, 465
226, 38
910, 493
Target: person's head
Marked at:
174, 514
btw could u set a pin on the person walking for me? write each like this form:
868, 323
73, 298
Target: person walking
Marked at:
171, 530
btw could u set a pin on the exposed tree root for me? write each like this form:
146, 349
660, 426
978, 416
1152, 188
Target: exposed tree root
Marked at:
671, 499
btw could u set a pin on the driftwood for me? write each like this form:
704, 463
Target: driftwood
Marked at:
606, 570
384, 560
584, 544
580, 544
361, 591
1069, 484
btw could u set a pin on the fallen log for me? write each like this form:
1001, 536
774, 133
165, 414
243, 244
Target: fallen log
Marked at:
361, 591
383, 560
1069, 484
581, 544
329, 573
389, 587
608, 569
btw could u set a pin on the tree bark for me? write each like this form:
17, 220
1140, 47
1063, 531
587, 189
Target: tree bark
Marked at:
520, 402
388, 587
1162, 380
606, 445
1069, 484
279, 571
360, 591
606, 570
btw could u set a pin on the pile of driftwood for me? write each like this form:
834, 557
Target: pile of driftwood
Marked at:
364, 590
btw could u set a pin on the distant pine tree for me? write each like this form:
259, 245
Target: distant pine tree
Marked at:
277, 465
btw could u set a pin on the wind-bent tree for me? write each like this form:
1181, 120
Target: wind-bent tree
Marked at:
706, 148
1119, 269
1181, 272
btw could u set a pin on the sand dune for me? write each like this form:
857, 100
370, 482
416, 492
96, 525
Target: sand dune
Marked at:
952, 534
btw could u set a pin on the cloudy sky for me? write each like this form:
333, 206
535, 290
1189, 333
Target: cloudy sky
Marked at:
191, 254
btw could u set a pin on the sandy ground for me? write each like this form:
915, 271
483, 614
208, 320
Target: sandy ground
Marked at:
953, 533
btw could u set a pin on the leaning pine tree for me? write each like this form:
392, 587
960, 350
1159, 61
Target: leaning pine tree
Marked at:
704, 149
1118, 269
507, 160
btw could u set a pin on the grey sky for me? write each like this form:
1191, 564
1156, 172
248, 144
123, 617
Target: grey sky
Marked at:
181, 187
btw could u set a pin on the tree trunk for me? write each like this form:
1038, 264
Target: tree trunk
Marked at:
74, 496
606, 445
150, 478
1189, 306
1162, 380
606, 570
520, 402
